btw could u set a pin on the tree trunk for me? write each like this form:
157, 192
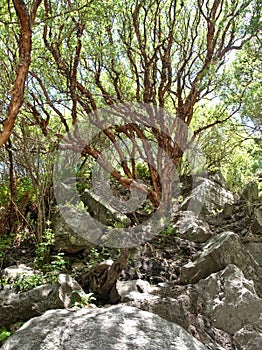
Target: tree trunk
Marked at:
25, 47
103, 278
12, 186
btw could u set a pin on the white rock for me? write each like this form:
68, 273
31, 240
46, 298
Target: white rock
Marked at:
218, 252
230, 299
248, 338
207, 197
113, 328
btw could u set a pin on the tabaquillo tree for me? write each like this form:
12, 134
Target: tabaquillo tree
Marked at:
87, 55
166, 54
147, 63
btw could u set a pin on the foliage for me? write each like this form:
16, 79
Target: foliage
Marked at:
24, 283
244, 85
168, 232
42, 253
228, 147
237, 143
6, 242
89, 55
98, 255
51, 265
27, 282
81, 300
4, 335
243, 166
168, 54
48, 274
28, 162
57, 265
4, 192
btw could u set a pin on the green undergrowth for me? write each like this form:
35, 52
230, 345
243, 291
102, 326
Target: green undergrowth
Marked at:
4, 335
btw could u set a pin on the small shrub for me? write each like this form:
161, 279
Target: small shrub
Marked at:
58, 264
6, 242
4, 335
43, 249
98, 255
82, 300
167, 232
27, 282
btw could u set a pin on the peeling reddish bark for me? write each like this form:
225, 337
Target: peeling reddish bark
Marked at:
26, 20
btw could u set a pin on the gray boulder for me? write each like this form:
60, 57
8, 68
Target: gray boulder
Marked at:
15, 271
66, 239
22, 306
128, 289
192, 227
251, 192
207, 198
181, 305
101, 207
248, 338
142, 295
230, 300
255, 249
113, 328
78, 228
256, 226
221, 250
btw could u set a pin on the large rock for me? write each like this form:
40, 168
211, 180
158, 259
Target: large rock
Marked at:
251, 192
192, 227
66, 239
207, 198
80, 228
139, 293
16, 307
128, 289
256, 226
221, 250
230, 300
248, 338
180, 305
14, 272
113, 328
103, 209
255, 249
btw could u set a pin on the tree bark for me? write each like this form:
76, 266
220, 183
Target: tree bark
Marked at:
103, 278
12, 186
26, 20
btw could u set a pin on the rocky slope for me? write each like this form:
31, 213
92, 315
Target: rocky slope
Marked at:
198, 284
